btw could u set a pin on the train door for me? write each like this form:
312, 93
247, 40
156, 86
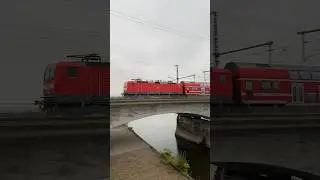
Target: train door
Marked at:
318, 94
202, 89
249, 90
297, 92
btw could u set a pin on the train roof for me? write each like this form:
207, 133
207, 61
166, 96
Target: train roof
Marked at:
150, 81
296, 72
219, 70
281, 66
237, 65
268, 73
82, 60
191, 82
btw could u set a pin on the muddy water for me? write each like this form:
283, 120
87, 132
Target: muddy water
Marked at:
158, 131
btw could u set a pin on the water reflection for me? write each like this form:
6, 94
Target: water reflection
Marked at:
159, 132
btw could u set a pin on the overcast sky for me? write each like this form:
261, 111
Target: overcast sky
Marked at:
148, 37
37, 32
249, 22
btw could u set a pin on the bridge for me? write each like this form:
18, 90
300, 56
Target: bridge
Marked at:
123, 110
94, 120
282, 141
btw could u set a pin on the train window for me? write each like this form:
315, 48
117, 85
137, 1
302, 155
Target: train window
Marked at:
312, 97
72, 71
266, 85
275, 85
294, 92
316, 75
305, 75
46, 74
49, 73
52, 72
249, 85
222, 78
294, 75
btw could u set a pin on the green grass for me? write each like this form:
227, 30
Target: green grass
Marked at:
180, 162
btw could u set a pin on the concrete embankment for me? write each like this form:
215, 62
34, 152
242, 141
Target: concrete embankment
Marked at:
133, 159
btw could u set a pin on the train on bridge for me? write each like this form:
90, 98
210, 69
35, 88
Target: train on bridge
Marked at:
85, 80
263, 84
138, 87
76, 80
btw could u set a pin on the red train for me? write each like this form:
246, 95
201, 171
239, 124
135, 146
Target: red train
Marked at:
82, 79
249, 83
158, 88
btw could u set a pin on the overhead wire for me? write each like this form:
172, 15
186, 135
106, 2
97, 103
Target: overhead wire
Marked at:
157, 26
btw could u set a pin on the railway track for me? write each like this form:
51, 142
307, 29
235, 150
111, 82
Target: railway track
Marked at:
159, 97
247, 121
125, 102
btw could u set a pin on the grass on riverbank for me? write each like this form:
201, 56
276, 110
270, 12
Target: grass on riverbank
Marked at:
180, 162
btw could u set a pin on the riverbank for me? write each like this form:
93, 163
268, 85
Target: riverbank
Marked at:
133, 159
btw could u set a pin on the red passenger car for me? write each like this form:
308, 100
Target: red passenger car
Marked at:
261, 85
76, 82
196, 88
222, 88
304, 84
275, 84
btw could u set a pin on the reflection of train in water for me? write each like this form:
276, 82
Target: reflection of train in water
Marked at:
138, 87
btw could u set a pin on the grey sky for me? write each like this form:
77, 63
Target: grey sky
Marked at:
142, 50
36, 32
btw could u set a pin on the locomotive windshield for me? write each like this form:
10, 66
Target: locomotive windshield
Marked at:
49, 73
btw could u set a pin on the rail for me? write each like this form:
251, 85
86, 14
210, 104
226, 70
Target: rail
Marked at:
158, 97
115, 102
262, 121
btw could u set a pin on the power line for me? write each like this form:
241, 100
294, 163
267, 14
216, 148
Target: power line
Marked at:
156, 26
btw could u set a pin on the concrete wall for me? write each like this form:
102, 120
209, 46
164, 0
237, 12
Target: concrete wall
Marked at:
124, 114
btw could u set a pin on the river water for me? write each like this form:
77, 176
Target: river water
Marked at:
159, 132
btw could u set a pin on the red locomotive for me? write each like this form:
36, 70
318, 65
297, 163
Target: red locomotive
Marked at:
249, 83
82, 80
160, 88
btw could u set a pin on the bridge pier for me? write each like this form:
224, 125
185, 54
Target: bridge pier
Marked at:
124, 113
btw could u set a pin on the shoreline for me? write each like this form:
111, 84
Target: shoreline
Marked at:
133, 159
